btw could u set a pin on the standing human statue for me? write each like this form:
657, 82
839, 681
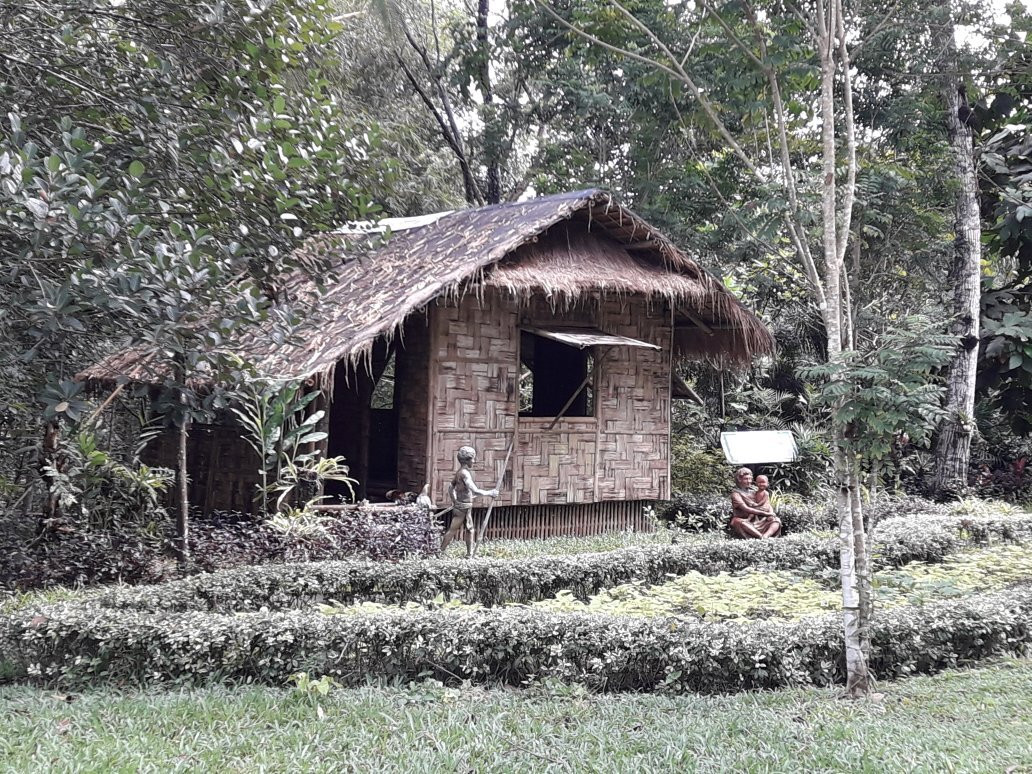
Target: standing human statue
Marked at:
750, 518
462, 490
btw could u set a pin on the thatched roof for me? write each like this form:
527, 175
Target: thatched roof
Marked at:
603, 247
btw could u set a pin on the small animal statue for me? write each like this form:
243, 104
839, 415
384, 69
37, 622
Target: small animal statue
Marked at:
400, 497
424, 501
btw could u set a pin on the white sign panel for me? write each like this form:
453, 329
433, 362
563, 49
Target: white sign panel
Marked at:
747, 447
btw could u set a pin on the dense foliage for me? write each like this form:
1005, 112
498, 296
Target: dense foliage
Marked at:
158, 162
223, 540
781, 594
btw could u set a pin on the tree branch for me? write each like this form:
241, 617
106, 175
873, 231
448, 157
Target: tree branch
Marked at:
62, 77
849, 194
676, 71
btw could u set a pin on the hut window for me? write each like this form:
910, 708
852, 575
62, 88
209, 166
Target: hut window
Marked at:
550, 372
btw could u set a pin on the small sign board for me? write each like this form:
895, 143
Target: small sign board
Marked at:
749, 447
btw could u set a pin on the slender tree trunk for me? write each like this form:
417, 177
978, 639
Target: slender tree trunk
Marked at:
492, 135
851, 538
862, 559
182, 545
857, 642
953, 446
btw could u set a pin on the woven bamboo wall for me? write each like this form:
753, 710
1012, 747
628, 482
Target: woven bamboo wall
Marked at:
223, 468
634, 405
620, 454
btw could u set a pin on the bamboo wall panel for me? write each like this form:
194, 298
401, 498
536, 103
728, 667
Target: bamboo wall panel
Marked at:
223, 468
633, 467
476, 366
634, 404
544, 521
620, 454
555, 466
474, 391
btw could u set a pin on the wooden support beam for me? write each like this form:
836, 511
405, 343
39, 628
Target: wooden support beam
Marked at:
702, 326
642, 246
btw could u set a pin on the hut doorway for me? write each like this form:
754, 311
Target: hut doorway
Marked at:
363, 424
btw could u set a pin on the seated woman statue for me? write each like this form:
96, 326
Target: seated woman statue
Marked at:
751, 513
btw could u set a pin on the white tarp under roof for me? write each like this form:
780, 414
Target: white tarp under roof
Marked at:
582, 338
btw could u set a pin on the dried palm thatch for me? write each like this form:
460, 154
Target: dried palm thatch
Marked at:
603, 248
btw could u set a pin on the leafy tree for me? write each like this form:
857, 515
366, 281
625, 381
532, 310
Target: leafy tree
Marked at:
887, 391
773, 88
159, 162
1005, 368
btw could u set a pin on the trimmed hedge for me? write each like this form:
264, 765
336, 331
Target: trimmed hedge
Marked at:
493, 581
78, 644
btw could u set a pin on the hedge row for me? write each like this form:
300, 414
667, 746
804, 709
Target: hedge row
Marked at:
494, 581
78, 644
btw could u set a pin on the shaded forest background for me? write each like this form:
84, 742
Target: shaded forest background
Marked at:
160, 160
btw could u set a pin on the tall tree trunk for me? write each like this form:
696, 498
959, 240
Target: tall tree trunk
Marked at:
492, 135
953, 446
182, 544
855, 627
851, 534
862, 558
49, 459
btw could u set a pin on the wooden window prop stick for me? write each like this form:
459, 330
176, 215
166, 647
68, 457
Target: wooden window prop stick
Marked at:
585, 383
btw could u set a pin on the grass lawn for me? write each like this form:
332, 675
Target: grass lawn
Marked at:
969, 720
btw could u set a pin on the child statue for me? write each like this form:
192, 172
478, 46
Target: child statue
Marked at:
761, 497
751, 513
461, 490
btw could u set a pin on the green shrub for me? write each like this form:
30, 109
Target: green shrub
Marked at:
698, 470
485, 581
563, 545
695, 512
77, 644
492, 582
756, 594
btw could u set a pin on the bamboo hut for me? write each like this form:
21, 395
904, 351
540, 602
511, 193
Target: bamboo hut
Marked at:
550, 326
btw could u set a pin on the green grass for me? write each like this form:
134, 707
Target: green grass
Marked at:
13, 601
967, 721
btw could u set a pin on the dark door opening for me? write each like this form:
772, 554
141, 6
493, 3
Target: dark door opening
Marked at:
363, 425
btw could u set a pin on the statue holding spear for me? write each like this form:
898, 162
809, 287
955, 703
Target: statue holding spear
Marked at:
462, 490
